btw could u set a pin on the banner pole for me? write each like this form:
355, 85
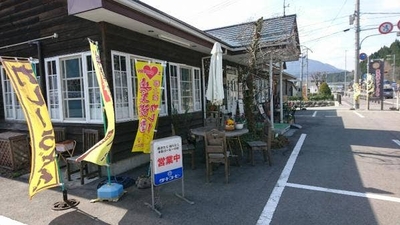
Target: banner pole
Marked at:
105, 131
109, 191
108, 154
65, 203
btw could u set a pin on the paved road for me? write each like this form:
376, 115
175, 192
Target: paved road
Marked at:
341, 167
345, 171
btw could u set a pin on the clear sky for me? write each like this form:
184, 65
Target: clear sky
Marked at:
320, 22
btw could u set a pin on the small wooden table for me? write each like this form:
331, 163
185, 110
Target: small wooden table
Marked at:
201, 131
234, 134
65, 148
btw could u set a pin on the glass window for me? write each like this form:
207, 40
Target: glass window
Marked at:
123, 108
12, 109
185, 88
197, 90
73, 93
52, 90
125, 86
94, 96
173, 73
232, 91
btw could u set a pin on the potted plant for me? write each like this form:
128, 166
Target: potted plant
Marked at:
240, 120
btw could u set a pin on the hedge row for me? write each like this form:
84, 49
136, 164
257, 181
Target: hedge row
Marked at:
305, 104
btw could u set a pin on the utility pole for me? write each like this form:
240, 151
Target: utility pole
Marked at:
357, 50
394, 68
393, 58
301, 75
307, 71
284, 7
367, 87
345, 71
307, 76
302, 65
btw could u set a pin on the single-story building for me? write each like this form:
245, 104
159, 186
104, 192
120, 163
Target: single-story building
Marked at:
54, 34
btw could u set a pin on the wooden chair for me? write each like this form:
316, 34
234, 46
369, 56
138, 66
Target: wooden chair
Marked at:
216, 152
263, 145
188, 146
59, 134
89, 137
211, 122
64, 148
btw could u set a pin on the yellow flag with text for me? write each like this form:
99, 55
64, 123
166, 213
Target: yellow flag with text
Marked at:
44, 171
98, 153
149, 78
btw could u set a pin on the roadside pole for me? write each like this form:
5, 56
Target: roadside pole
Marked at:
357, 50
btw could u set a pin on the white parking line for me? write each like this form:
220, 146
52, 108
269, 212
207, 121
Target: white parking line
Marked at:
358, 114
269, 208
8, 221
396, 141
314, 114
343, 192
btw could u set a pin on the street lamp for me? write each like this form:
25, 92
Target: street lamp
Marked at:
389, 57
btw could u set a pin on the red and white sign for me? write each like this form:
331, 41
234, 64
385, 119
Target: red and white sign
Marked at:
385, 28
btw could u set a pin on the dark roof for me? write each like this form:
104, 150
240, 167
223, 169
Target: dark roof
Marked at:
279, 36
274, 30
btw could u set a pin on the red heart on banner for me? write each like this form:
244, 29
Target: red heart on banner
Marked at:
150, 72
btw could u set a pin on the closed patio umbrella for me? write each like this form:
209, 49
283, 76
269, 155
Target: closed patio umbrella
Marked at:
215, 88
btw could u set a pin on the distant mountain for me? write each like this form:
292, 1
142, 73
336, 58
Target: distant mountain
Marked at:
314, 66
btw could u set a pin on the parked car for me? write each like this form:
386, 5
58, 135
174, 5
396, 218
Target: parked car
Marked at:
388, 93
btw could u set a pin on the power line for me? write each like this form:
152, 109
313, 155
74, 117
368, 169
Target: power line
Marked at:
214, 8
326, 21
366, 27
383, 13
328, 35
339, 11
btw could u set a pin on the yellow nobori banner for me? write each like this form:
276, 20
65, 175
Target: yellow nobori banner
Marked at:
98, 153
149, 78
44, 172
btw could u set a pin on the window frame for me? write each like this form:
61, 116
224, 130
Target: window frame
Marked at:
17, 113
131, 82
176, 83
55, 82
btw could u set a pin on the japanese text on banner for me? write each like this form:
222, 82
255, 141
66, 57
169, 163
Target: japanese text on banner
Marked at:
44, 173
149, 77
98, 153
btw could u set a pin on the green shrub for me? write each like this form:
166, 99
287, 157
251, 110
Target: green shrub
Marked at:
319, 97
324, 89
295, 98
